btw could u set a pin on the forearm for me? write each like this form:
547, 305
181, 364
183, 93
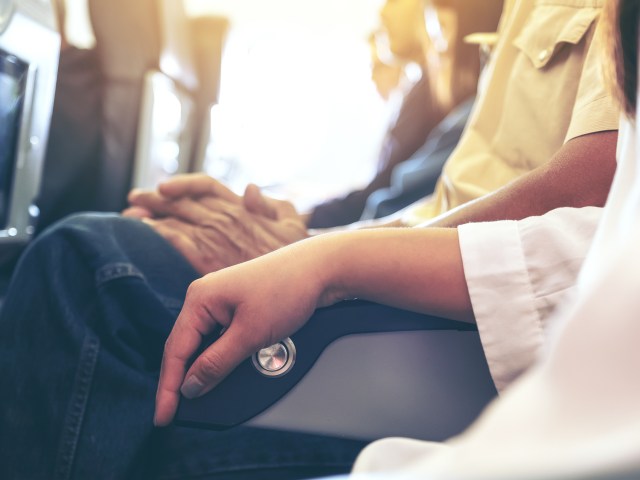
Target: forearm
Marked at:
416, 269
579, 175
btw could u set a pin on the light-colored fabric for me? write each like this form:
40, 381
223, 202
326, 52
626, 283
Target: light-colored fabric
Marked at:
77, 28
544, 88
621, 216
517, 273
575, 414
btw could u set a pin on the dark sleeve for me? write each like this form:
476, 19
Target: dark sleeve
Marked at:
417, 116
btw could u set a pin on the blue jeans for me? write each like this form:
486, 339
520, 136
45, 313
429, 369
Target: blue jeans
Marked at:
82, 330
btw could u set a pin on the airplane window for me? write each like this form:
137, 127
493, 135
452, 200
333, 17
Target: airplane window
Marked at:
297, 109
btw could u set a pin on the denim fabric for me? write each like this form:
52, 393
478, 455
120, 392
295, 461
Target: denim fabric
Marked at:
81, 336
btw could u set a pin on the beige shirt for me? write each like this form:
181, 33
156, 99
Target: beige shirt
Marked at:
542, 88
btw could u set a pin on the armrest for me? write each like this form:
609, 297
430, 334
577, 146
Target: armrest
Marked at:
361, 370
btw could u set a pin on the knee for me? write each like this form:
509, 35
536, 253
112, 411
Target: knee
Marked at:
80, 221
75, 229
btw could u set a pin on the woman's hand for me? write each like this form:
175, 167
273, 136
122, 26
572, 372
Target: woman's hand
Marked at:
267, 299
257, 303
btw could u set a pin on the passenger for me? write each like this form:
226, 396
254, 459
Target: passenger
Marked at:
438, 52
447, 52
82, 354
575, 414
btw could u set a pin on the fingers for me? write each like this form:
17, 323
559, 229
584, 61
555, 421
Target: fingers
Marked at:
287, 210
196, 185
185, 338
150, 201
186, 209
274, 209
137, 212
196, 320
256, 203
216, 362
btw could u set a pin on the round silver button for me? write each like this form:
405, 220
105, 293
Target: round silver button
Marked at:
275, 360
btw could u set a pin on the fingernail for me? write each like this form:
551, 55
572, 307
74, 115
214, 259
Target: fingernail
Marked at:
192, 387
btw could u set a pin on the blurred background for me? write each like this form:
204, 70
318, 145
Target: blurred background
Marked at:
295, 101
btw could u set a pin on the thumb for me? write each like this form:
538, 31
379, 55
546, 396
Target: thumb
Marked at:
256, 203
216, 362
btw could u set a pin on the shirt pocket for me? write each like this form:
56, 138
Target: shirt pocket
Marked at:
552, 27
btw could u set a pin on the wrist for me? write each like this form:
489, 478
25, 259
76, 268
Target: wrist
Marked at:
331, 255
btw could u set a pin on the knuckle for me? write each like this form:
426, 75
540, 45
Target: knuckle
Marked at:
169, 343
256, 340
210, 365
194, 288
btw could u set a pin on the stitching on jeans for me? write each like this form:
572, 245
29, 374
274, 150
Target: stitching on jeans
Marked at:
114, 271
77, 407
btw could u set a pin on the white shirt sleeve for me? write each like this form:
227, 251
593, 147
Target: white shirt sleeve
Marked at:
574, 415
517, 273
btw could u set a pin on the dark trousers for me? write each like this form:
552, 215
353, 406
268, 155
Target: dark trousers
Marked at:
82, 330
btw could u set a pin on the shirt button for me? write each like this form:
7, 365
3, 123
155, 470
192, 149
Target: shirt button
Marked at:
542, 56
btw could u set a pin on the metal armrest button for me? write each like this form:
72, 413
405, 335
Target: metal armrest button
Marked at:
275, 360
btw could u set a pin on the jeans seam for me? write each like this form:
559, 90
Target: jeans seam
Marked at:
114, 271
77, 407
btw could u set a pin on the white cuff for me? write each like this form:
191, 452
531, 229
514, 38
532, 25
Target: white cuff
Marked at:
502, 297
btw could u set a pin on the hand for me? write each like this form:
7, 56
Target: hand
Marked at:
213, 234
257, 203
258, 303
199, 185
148, 203
208, 223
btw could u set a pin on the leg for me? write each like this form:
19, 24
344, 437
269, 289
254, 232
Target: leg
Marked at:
81, 337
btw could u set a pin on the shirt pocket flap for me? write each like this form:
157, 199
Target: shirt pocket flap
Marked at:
551, 26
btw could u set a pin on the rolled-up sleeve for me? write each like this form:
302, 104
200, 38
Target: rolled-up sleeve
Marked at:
517, 272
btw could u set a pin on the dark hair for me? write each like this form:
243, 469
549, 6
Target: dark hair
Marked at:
620, 31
